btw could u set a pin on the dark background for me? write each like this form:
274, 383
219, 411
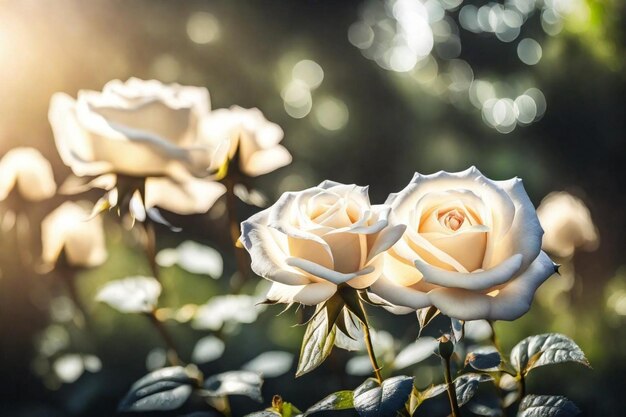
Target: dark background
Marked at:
395, 127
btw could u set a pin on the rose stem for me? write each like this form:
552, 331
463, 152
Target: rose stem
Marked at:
496, 343
233, 225
150, 249
172, 352
494, 338
454, 405
368, 344
69, 279
522, 386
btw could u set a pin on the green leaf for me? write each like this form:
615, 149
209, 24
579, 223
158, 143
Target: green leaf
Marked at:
352, 300
421, 349
430, 392
372, 400
341, 400
466, 386
547, 406
425, 316
489, 407
234, 383
545, 349
164, 389
458, 329
484, 359
317, 342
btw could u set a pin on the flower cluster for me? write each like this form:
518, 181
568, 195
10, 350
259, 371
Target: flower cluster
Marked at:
465, 244
160, 145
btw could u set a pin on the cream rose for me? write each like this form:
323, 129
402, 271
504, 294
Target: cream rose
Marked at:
141, 129
472, 247
69, 229
568, 225
311, 241
254, 137
28, 171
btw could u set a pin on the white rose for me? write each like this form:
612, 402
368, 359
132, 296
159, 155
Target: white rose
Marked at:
29, 171
311, 241
142, 129
472, 247
567, 223
68, 229
250, 133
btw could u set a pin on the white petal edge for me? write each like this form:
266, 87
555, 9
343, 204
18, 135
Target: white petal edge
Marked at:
399, 295
325, 273
483, 280
268, 260
310, 294
513, 300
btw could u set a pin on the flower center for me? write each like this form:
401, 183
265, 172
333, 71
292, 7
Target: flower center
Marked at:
452, 219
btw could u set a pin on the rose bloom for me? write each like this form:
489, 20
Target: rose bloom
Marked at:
249, 133
140, 129
68, 229
28, 171
567, 223
472, 247
311, 241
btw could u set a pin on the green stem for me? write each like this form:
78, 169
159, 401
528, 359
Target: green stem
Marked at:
369, 346
172, 352
494, 338
70, 284
522, 386
454, 405
150, 249
234, 231
498, 376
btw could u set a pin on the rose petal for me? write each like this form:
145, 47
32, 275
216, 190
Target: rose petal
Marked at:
265, 161
346, 250
27, 169
511, 302
525, 233
483, 280
192, 196
399, 295
75, 151
385, 239
325, 273
310, 294
265, 252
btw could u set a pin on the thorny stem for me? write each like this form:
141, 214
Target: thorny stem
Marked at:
368, 344
172, 352
454, 405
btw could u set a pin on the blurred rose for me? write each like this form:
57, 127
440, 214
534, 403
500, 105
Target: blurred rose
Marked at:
29, 171
249, 132
310, 241
68, 229
140, 129
472, 247
567, 223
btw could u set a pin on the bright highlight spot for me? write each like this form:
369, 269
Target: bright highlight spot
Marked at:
331, 113
309, 72
203, 28
529, 51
